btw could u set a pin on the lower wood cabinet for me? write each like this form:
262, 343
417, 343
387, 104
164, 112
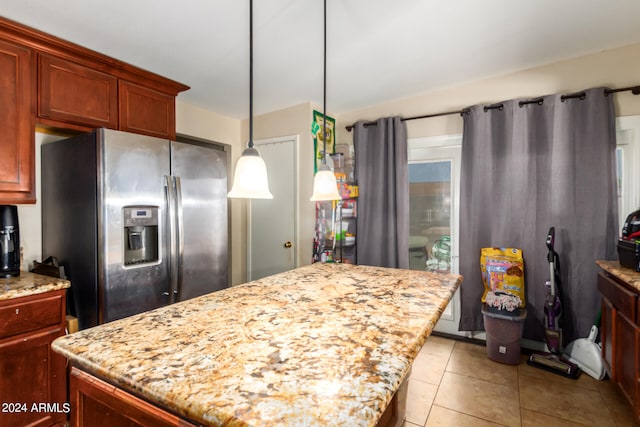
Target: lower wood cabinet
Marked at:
620, 332
33, 387
607, 326
626, 357
96, 403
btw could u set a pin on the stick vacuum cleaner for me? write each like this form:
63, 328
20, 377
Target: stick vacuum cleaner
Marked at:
553, 361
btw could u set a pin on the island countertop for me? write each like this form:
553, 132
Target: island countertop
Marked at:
321, 345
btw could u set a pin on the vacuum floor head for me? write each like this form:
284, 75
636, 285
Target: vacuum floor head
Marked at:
553, 363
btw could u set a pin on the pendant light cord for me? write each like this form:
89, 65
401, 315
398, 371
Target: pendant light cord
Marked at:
324, 93
250, 73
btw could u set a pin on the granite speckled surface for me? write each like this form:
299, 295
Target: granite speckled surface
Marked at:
627, 275
321, 345
29, 284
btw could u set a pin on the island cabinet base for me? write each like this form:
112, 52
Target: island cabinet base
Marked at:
395, 413
95, 403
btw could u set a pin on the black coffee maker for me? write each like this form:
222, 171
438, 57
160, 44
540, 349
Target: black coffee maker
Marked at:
9, 241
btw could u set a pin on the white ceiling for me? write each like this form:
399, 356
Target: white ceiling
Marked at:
378, 50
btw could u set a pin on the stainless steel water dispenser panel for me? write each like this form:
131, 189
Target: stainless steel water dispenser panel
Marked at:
140, 236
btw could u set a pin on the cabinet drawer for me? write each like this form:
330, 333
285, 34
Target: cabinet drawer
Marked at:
31, 313
623, 299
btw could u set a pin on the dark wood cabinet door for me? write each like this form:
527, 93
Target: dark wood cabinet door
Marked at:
146, 111
608, 337
71, 93
17, 137
32, 381
96, 403
626, 356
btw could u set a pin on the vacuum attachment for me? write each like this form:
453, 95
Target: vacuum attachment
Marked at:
587, 354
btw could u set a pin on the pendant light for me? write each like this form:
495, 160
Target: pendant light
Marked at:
250, 178
325, 186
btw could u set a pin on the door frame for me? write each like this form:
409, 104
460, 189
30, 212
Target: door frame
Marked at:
628, 141
295, 139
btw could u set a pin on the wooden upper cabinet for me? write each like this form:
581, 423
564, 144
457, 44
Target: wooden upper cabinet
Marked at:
59, 84
17, 138
72, 93
146, 111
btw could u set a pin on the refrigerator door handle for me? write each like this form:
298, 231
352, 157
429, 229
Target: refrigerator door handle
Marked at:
171, 227
179, 255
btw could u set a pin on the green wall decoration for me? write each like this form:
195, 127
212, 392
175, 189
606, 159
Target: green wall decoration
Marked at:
318, 141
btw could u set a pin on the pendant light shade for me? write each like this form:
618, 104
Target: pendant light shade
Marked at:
325, 186
250, 178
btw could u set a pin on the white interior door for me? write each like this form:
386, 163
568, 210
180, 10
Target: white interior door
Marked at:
434, 197
272, 223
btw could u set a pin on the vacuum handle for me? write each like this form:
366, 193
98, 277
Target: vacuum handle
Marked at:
551, 238
551, 259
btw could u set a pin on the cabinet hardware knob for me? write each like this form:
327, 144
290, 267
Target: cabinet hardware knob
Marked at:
288, 244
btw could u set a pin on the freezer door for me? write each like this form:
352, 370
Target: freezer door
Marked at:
133, 277
200, 173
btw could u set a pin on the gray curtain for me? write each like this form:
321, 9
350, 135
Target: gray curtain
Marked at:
527, 167
381, 170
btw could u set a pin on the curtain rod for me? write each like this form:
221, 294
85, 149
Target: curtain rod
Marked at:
634, 89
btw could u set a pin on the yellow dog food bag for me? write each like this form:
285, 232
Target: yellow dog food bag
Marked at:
502, 270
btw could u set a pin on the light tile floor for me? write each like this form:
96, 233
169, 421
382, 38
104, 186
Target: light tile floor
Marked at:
454, 383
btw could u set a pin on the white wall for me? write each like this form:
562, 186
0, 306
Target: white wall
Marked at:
614, 68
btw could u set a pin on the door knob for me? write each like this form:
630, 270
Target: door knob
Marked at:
287, 244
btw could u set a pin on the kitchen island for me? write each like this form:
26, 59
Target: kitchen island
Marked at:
321, 345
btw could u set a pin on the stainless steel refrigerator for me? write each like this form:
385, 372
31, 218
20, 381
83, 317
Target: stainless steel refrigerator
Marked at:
137, 222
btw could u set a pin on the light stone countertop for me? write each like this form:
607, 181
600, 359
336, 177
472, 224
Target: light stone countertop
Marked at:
321, 345
29, 284
627, 275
